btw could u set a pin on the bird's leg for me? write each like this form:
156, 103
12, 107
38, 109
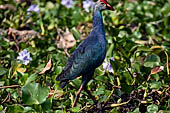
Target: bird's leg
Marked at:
90, 95
77, 95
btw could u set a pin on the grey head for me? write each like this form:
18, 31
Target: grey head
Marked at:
101, 5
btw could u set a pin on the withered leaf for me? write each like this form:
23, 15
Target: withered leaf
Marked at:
66, 40
47, 67
157, 69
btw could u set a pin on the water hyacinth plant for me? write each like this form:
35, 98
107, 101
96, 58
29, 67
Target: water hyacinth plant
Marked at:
33, 8
107, 66
67, 3
137, 36
87, 4
24, 57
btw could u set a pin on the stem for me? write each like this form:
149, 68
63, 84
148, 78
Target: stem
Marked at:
167, 64
12, 86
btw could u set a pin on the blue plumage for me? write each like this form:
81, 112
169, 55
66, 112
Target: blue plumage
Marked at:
89, 54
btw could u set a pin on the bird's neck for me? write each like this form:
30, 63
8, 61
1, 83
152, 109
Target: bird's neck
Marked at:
98, 20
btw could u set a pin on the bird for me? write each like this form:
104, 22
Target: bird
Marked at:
89, 54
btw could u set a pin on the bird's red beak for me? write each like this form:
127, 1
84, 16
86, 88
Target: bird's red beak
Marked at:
108, 6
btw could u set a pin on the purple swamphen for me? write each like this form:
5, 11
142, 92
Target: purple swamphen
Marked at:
89, 54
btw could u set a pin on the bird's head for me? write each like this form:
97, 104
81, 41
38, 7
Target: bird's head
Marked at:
103, 5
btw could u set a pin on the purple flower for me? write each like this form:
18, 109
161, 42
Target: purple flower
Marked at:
24, 56
112, 59
107, 66
67, 3
33, 8
87, 4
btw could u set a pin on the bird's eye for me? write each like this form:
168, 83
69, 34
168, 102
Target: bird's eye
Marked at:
102, 3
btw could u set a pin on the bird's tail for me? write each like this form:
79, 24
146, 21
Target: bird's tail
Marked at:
63, 82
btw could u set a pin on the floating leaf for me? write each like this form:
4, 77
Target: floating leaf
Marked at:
47, 67
34, 93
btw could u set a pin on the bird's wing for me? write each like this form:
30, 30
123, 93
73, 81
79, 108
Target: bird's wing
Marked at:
82, 60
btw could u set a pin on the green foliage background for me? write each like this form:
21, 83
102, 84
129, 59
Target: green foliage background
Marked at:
138, 37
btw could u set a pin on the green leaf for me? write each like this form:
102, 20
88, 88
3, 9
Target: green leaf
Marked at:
47, 104
28, 110
59, 111
1, 108
2, 83
51, 48
76, 33
75, 109
155, 85
33, 93
2, 70
31, 78
150, 29
100, 91
152, 108
76, 83
110, 50
126, 88
166, 9
101, 78
136, 66
58, 69
152, 61
167, 37
135, 111
15, 109
126, 77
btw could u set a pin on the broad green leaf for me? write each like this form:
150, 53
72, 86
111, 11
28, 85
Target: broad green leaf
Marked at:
2, 70
165, 9
155, 85
31, 78
58, 69
100, 91
2, 83
34, 93
75, 109
52, 48
28, 109
152, 61
59, 111
152, 108
47, 104
76, 83
76, 33
15, 109
110, 50
101, 78
150, 29
1, 108
136, 66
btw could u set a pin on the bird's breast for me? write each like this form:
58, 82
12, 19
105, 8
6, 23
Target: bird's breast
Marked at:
99, 54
